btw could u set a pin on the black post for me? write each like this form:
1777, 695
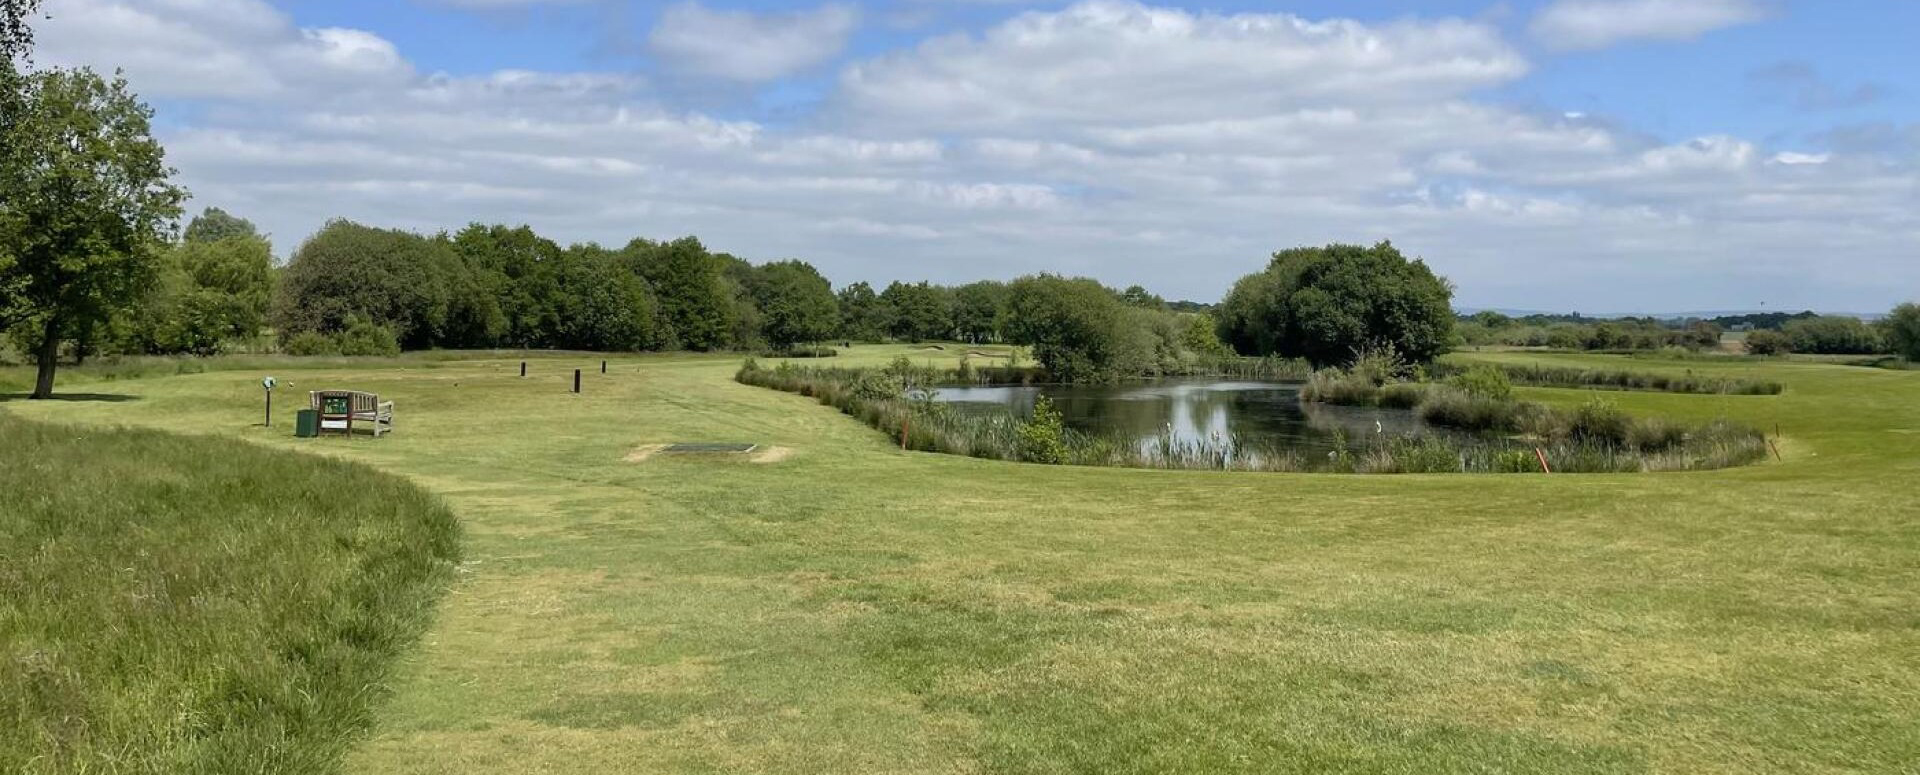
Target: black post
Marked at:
523, 368
269, 407
603, 367
576, 380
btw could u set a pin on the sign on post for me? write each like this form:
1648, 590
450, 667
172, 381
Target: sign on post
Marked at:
268, 383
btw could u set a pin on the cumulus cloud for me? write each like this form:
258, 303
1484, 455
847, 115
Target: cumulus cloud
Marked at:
1112, 61
236, 49
1132, 143
747, 46
1582, 25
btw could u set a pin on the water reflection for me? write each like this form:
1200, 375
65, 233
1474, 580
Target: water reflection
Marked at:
1259, 415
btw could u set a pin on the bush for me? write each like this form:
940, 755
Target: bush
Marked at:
1833, 336
1042, 437
1599, 420
308, 343
1450, 407
1483, 381
1769, 343
364, 337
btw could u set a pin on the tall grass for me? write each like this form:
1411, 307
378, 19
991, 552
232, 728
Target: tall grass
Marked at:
898, 401
1597, 435
1538, 375
180, 604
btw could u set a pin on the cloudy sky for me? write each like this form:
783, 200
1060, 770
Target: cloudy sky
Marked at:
1593, 155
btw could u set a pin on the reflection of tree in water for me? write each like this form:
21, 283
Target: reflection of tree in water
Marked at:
1208, 411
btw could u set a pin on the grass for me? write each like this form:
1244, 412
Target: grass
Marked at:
855, 608
173, 604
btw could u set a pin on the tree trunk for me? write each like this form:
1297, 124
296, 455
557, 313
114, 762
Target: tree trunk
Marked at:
49, 356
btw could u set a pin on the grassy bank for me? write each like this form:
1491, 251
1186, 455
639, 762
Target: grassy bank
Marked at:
173, 604
848, 607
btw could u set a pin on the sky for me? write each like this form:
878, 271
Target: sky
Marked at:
1566, 155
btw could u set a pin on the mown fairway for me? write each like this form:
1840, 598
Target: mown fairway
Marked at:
853, 608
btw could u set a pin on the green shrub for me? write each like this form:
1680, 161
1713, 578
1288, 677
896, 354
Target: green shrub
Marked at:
1599, 420
310, 343
1042, 437
1766, 342
1402, 395
1483, 381
364, 337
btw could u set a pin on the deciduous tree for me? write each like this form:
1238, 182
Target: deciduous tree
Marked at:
86, 205
1326, 304
796, 304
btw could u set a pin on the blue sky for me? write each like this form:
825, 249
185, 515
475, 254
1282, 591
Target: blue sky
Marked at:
1621, 155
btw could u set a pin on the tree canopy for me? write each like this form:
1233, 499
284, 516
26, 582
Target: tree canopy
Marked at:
215, 224
1327, 304
797, 304
86, 203
1903, 331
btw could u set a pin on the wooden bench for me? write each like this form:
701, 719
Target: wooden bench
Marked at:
340, 409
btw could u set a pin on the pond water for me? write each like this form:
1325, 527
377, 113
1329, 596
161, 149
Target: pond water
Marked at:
1237, 413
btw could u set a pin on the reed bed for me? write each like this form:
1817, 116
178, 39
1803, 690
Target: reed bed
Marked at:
1539, 375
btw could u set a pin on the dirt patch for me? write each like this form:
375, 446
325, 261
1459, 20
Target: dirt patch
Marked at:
770, 454
764, 454
644, 451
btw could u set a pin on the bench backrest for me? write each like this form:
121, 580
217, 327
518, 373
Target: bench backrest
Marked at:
339, 403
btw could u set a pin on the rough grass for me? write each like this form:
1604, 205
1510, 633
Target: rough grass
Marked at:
1548, 375
173, 604
856, 608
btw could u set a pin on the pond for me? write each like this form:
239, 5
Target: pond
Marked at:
1235, 413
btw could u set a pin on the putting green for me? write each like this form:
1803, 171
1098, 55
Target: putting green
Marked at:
847, 607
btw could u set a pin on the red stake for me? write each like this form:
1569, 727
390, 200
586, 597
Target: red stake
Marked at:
1544, 468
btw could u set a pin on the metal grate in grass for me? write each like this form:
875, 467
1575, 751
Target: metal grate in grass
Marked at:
709, 447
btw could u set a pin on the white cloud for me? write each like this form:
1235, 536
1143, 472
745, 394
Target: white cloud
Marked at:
238, 49
746, 46
1113, 61
1135, 144
1582, 25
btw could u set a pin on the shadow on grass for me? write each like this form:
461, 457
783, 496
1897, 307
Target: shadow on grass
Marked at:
114, 398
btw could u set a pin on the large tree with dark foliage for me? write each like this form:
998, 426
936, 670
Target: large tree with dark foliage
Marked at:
796, 304
862, 317
1327, 304
917, 311
696, 300
1078, 328
978, 309
397, 279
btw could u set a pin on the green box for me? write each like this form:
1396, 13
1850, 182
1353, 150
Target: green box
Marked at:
306, 423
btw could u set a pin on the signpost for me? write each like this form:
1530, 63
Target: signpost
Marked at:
268, 383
